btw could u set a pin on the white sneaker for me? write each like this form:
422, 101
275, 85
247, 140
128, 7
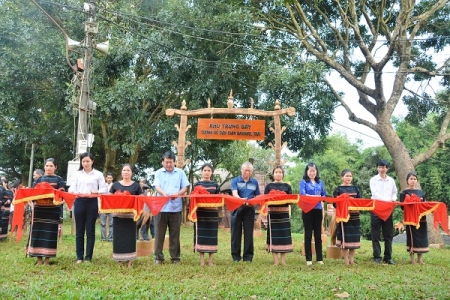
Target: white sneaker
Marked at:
309, 263
320, 262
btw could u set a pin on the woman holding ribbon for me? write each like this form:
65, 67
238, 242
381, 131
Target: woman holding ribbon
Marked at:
206, 227
46, 218
279, 239
88, 183
124, 234
416, 238
348, 233
312, 220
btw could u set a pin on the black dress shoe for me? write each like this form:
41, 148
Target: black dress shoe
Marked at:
389, 262
377, 260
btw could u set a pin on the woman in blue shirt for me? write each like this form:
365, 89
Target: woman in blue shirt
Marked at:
312, 221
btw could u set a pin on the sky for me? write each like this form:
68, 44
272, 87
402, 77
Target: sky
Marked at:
356, 131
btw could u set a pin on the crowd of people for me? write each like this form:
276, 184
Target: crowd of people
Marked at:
171, 182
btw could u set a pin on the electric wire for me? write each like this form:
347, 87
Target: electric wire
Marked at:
183, 56
267, 48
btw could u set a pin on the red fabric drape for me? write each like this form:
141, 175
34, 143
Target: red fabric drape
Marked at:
154, 203
277, 198
41, 191
383, 209
414, 210
17, 221
347, 203
197, 200
121, 202
307, 202
69, 198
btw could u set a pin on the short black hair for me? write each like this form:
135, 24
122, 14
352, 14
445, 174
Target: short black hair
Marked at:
110, 174
17, 182
169, 155
40, 172
383, 163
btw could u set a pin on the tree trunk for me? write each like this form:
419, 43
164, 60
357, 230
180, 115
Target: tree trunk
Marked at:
402, 164
401, 160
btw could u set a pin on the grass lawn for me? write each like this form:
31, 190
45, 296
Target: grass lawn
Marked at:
103, 278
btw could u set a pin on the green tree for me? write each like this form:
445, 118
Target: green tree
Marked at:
392, 36
32, 90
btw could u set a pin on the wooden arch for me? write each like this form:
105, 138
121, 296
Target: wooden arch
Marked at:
184, 114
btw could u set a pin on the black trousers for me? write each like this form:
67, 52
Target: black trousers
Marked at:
242, 218
165, 220
312, 221
86, 213
387, 228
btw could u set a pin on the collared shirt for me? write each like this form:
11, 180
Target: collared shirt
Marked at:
85, 183
108, 186
383, 189
171, 183
310, 188
247, 190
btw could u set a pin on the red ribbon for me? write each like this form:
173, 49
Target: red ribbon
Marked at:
414, 210
42, 190
121, 202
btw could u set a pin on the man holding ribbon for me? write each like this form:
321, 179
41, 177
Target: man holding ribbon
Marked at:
169, 182
382, 188
243, 187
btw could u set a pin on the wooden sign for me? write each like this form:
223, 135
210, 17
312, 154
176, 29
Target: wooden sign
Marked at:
230, 129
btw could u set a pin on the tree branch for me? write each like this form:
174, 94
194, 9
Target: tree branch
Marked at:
438, 142
351, 114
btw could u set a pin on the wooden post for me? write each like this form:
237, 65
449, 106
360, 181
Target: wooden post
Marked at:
230, 110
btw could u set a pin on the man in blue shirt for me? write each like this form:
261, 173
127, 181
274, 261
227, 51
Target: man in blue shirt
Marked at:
169, 182
243, 187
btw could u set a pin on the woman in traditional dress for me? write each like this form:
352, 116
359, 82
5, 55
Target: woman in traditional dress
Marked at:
47, 218
416, 239
279, 239
6, 199
206, 227
312, 220
348, 233
88, 183
124, 234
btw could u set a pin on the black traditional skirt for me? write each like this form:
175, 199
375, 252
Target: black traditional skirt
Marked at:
348, 234
124, 239
4, 222
279, 239
205, 230
44, 231
417, 239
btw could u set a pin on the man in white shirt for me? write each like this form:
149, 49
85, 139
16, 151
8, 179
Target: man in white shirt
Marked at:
382, 188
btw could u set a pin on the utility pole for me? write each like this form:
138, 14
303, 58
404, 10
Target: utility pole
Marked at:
83, 70
84, 139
